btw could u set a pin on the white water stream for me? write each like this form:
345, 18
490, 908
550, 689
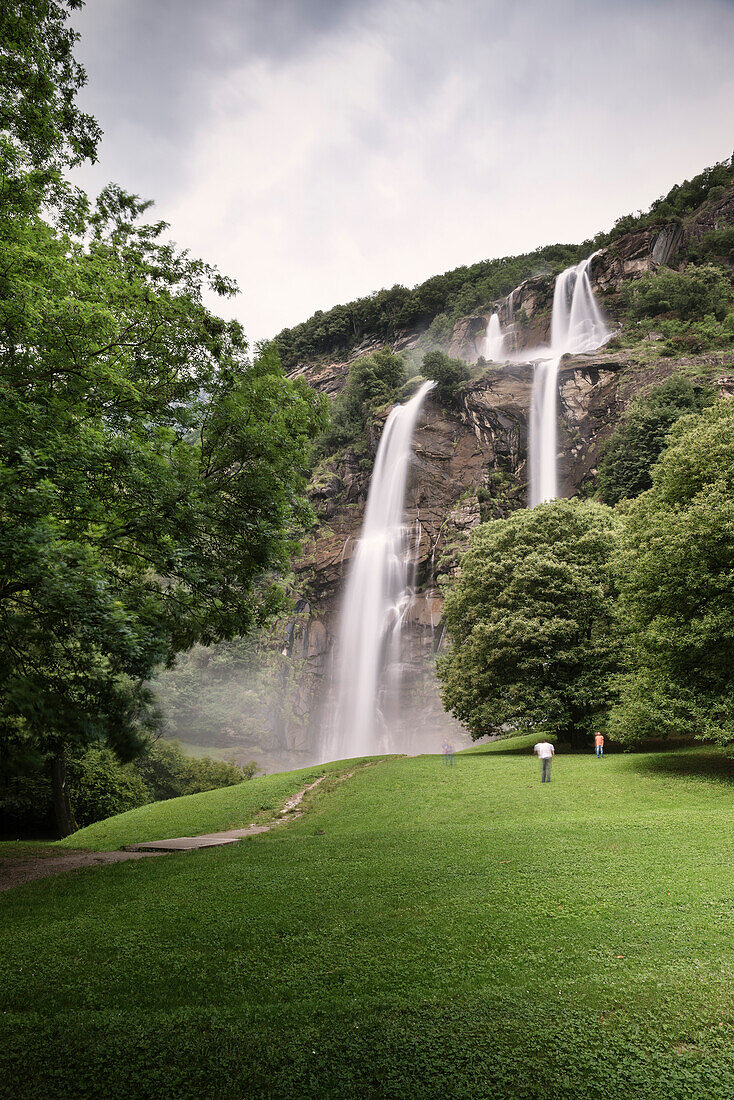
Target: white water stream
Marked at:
376, 598
576, 326
495, 349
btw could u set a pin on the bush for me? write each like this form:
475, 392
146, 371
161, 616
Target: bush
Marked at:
718, 244
634, 448
168, 773
447, 373
100, 786
440, 330
689, 295
373, 381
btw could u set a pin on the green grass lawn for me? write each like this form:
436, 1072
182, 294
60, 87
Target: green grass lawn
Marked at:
211, 811
422, 931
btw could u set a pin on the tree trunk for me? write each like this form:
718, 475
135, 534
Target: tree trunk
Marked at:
62, 804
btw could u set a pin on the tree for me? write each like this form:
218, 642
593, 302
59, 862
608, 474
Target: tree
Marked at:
42, 130
530, 620
676, 579
372, 381
447, 373
168, 773
689, 295
152, 476
634, 447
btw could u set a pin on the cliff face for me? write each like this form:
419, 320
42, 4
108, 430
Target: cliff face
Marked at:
471, 459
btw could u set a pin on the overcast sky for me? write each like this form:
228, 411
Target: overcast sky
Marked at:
317, 150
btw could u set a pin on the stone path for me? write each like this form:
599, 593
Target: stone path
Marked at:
231, 836
16, 871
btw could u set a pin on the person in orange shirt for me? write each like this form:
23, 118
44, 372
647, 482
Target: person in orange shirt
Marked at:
599, 743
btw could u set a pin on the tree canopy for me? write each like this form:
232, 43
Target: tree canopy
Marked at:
676, 577
636, 443
531, 622
152, 474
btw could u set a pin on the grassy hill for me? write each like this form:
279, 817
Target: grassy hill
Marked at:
420, 932
208, 812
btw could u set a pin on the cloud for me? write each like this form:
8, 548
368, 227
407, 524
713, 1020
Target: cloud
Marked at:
320, 151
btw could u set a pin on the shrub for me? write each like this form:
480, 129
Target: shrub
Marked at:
168, 773
447, 373
101, 786
633, 449
718, 244
440, 330
689, 295
373, 380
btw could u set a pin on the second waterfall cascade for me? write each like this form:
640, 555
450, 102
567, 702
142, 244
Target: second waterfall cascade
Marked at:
577, 326
377, 595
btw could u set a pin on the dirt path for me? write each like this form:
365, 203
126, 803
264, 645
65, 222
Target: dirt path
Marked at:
17, 870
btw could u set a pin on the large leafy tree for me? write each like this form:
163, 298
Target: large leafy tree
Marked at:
151, 474
676, 577
531, 623
42, 129
634, 447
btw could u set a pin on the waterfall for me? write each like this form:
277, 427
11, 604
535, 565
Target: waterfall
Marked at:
376, 599
577, 326
495, 350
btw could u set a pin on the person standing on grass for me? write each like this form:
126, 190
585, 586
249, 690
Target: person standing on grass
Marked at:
599, 743
545, 753
448, 752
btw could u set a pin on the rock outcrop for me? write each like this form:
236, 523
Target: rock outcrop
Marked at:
471, 458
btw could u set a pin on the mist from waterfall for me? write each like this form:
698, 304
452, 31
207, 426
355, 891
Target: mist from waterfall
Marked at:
376, 598
577, 326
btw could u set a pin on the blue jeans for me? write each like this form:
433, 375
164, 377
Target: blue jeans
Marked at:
599, 750
545, 774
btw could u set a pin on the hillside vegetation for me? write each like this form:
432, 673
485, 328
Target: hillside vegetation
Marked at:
460, 291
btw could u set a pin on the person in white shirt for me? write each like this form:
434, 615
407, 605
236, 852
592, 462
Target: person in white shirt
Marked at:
545, 753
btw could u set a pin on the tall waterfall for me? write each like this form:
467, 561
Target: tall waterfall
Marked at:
375, 600
495, 350
577, 326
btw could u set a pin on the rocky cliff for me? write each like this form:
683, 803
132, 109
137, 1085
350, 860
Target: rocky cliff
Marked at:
471, 458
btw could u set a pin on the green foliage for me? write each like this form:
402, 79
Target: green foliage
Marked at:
448, 374
373, 381
639, 438
152, 476
689, 295
233, 694
142, 506
693, 337
168, 773
231, 807
680, 201
439, 331
101, 786
717, 244
443, 298
531, 623
383, 314
42, 129
676, 577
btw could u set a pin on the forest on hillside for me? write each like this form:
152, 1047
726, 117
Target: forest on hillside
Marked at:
386, 313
